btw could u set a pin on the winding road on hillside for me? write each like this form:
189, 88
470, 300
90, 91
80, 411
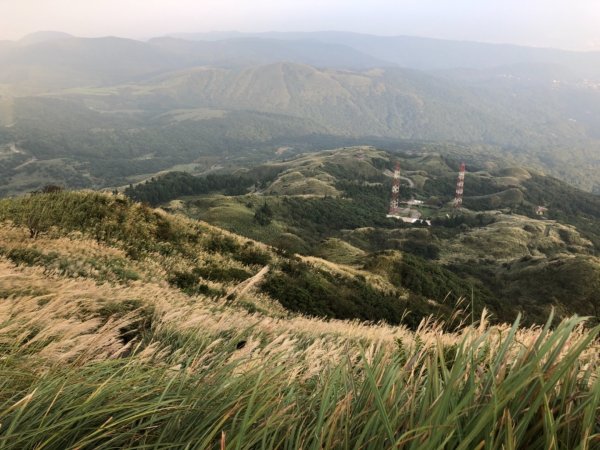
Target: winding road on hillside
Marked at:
389, 173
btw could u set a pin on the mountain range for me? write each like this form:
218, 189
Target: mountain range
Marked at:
69, 106
498, 251
238, 286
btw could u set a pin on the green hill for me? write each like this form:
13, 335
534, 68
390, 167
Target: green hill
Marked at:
194, 257
71, 103
238, 287
389, 102
124, 327
333, 204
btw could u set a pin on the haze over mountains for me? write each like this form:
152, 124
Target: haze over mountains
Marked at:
427, 53
299, 240
321, 49
180, 99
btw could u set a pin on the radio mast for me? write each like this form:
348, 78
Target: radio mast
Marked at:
460, 184
395, 199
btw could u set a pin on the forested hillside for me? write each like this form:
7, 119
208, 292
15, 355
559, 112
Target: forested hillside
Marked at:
299, 240
333, 205
108, 112
117, 318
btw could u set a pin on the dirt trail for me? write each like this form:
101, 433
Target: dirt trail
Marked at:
26, 163
248, 284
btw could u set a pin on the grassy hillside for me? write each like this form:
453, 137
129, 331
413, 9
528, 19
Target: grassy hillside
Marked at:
333, 204
199, 259
126, 327
144, 124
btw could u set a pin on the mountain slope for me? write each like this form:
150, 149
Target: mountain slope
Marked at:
52, 65
44, 62
150, 104
391, 103
252, 51
195, 258
96, 332
433, 54
497, 252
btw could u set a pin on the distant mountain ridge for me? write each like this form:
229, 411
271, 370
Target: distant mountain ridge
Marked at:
46, 65
431, 54
44, 36
241, 52
171, 101
108, 56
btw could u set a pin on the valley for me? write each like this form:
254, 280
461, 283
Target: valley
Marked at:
496, 251
297, 240
96, 121
120, 317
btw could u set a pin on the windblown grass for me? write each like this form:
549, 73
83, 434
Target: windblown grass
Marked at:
475, 396
203, 375
92, 358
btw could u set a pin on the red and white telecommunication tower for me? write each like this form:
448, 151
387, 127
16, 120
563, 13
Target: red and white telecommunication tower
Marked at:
395, 200
460, 185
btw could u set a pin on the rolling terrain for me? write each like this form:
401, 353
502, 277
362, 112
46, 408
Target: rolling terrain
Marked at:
182, 265
109, 111
496, 250
125, 326
435, 54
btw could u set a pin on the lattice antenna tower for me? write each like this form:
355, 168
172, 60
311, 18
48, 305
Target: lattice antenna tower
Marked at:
395, 200
460, 186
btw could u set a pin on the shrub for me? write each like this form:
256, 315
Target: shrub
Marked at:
264, 215
219, 243
423, 249
190, 284
249, 255
302, 288
218, 273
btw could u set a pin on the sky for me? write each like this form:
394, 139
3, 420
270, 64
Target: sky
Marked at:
568, 24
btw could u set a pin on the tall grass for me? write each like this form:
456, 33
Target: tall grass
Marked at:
486, 392
94, 360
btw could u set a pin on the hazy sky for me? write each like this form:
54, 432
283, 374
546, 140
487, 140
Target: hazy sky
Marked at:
573, 24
